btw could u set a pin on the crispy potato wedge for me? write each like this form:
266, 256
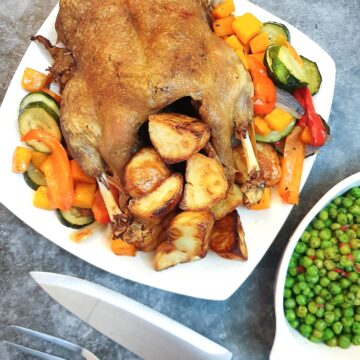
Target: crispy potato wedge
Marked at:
153, 208
177, 137
144, 172
269, 163
188, 239
205, 183
233, 199
240, 165
227, 238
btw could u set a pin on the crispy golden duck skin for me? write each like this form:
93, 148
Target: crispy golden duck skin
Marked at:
135, 57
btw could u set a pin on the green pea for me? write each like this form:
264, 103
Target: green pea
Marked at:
355, 210
294, 323
312, 307
329, 264
338, 299
344, 238
325, 234
314, 242
357, 318
289, 282
337, 201
312, 270
345, 249
305, 236
346, 202
320, 254
355, 192
317, 289
337, 327
305, 261
325, 244
353, 277
329, 317
300, 247
344, 283
301, 311
333, 275
356, 255
337, 313
314, 339
334, 288
314, 232
324, 282
356, 339
290, 303
287, 293
332, 213
319, 300
347, 322
342, 219
301, 277
305, 330
325, 294
329, 307
319, 224
290, 314
296, 289
320, 312
323, 215
344, 341
307, 292
312, 279
327, 222
309, 319
345, 261
310, 252
301, 299
292, 271
328, 334
317, 334
348, 312
319, 263
320, 324
329, 253
322, 272
332, 342
355, 244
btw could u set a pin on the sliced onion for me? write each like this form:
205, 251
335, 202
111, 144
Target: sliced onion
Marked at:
287, 102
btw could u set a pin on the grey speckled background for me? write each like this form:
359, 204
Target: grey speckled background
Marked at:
245, 323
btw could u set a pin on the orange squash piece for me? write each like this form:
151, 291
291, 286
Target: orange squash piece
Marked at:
278, 119
234, 42
78, 174
120, 247
259, 43
41, 199
33, 80
84, 195
38, 158
224, 9
246, 27
21, 159
223, 27
261, 126
264, 202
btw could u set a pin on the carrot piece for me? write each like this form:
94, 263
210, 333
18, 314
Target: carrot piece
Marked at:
234, 42
38, 158
264, 202
21, 159
56, 169
292, 165
84, 195
78, 174
41, 199
54, 95
278, 119
120, 247
259, 56
259, 43
223, 26
33, 80
224, 9
261, 126
306, 137
242, 56
246, 27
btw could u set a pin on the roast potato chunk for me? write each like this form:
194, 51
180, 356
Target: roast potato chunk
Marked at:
227, 238
233, 199
188, 239
177, 137
144, 172
205, 183
153, 207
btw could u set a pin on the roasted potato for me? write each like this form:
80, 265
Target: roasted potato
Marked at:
233, 199
153, 207
205, 183
188, 239
227, 238
269, 163
177, 137
144, 172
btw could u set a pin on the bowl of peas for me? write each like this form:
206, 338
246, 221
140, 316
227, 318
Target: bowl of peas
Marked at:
317, 292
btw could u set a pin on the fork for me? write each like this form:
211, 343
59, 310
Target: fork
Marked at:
86, 354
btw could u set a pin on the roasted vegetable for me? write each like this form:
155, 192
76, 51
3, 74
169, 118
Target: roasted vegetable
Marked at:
75, 218
227, 238
33, 80
144, 172
21, 159
233, 199
205, 183
277, 33
177, 137
188, 239
313, 75
246, 27
34, 177
42, 97
153, 207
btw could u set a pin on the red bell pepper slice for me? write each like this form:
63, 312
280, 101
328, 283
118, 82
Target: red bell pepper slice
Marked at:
57, 170
311, 118
99, 209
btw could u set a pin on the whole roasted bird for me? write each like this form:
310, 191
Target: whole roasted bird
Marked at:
127, 59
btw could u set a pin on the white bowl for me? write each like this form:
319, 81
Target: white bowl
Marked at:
289, 343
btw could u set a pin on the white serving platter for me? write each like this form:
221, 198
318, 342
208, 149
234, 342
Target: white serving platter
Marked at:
287, 340
212, 278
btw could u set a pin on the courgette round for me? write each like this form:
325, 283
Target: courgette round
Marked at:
284, 69
313, 75
277, 33
39, 116
40, 96
75, 217
34, 177
273, 136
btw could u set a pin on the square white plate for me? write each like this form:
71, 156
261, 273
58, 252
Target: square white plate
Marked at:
211, 278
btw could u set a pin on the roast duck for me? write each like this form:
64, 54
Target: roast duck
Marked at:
120, 61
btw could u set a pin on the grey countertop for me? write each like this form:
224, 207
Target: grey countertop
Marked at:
245, 323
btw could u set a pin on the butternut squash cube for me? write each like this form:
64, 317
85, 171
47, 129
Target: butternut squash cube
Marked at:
259, 43
278, 119
261, 126
242, 56
224, 9
234, 42
246, 27
223, 27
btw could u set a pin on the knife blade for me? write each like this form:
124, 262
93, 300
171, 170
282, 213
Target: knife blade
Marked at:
140, 329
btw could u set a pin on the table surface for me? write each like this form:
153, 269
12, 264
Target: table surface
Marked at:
245, 323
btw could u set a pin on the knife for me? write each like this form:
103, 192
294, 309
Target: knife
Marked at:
140, 329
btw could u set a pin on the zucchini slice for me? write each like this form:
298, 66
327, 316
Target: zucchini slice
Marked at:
38, 115
40, 96
313, 75
277, 33
273, 136
284, 69
34, 177
75, 218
